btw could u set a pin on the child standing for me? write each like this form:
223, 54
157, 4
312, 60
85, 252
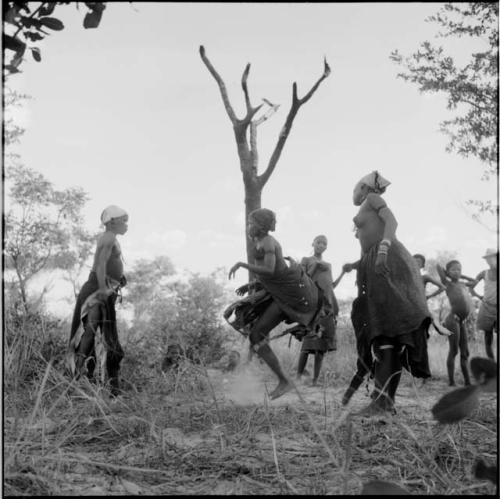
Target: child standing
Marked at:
428, 279
324, 341
487, 315
461, 306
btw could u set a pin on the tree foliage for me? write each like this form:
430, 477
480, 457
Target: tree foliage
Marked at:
29, 26
80, 249
42, 225
13, 132
170, 310
472, 88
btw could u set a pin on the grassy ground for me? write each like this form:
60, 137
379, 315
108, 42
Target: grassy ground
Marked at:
202, 431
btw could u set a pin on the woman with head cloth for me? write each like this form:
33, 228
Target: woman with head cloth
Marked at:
390, 311
294, 295
95, 305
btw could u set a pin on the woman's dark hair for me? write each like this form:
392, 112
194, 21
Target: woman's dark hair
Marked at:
264, 218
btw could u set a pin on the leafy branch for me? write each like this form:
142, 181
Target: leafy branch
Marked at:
30, 28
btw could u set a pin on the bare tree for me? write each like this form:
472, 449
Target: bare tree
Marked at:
245, 132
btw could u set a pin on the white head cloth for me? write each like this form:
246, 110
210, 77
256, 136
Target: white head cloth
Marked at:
375, 180
111, 212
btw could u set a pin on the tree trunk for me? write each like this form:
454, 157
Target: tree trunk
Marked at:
22, 288
253, 195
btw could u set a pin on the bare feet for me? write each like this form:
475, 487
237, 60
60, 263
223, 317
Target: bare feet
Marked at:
281, 389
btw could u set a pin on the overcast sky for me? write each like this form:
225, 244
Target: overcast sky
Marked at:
130, 113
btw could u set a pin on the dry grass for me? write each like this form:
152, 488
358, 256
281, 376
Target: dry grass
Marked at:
183, 434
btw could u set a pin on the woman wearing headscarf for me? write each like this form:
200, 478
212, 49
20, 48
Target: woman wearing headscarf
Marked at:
390, 311
95, 306
294, 296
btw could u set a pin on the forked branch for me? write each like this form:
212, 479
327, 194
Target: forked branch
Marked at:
250, 110
296, 103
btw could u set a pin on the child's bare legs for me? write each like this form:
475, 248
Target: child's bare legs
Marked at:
464, 353
271, 317
452, 325
318, 360
488, 344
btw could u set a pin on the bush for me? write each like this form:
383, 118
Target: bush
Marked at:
31, 340
188, 314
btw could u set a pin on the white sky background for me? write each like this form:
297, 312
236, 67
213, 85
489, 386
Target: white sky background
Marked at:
130, 113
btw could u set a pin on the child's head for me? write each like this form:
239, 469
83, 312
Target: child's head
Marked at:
115, 219
454, 269
420, 259
320, 243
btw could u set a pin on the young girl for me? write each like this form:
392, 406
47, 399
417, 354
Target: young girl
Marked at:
294, 296
461, 306
427, 279
321, 273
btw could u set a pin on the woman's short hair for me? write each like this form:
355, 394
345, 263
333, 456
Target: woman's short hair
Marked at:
264, 218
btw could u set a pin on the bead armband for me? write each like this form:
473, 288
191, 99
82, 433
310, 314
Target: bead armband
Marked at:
384, 246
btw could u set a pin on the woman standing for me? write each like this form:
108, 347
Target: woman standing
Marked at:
294, 294
395, 313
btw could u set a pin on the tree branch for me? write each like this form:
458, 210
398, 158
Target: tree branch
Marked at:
326, 72
296, 103
30, 17
273, 108
244, 86
253, 132
251, 111
222, 86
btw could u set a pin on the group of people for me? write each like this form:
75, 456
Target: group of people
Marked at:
459, 289
390, 315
